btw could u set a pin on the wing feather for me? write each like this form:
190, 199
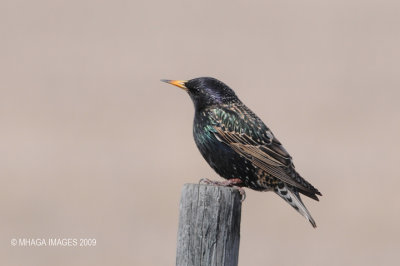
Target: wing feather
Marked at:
263, 151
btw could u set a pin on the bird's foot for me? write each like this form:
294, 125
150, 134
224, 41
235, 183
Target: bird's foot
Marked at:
242, 192
226, 183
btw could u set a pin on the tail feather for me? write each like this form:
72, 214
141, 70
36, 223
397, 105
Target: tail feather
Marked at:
292, 197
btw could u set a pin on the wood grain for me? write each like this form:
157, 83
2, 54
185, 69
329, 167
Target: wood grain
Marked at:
209, 226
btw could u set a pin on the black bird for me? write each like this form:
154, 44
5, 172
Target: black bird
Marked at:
240, 147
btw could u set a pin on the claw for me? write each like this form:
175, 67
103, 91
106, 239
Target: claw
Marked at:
206, 181
242, 192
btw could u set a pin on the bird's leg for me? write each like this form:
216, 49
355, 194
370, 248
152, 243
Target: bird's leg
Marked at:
226, 183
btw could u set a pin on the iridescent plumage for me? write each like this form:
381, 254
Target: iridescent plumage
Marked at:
237, 144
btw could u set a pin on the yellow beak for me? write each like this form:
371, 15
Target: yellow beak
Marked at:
178, 83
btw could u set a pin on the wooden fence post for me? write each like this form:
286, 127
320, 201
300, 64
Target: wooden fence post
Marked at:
209, 226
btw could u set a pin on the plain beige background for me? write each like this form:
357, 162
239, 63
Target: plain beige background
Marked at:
94, 146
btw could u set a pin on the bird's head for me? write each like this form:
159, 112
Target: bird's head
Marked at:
206, 91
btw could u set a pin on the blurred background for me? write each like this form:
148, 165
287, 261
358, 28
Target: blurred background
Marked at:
93, 145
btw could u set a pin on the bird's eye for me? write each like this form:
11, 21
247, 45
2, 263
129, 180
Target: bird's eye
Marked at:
195, 90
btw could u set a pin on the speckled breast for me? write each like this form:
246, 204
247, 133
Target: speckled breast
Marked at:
223, 159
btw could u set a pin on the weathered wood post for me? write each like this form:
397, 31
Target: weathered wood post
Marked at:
209, 226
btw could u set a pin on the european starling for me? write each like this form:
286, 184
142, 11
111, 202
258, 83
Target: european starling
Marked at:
240, 147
